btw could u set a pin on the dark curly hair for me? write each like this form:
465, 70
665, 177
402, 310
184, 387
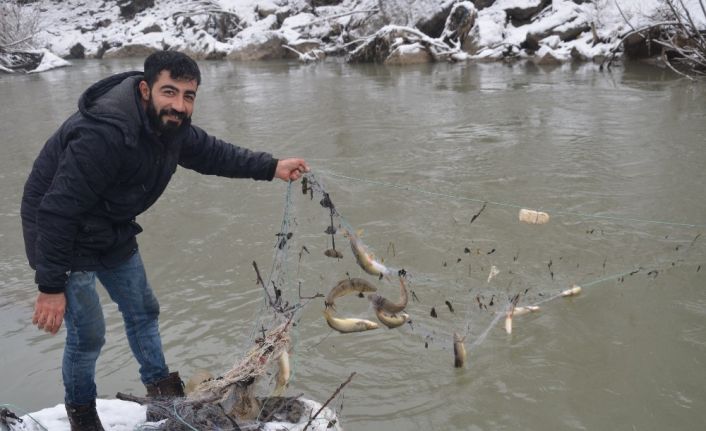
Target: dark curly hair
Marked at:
179, 65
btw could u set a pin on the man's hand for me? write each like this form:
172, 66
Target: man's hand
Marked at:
291, 169
49, 311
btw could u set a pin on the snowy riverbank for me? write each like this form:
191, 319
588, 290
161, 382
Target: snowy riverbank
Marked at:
393, 31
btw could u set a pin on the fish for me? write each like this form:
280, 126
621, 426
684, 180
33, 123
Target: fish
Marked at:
366, 260
508, 322
389, 306
283, 375
348, 325
459, 351
347, 286
519, 311
391, 320
575, 290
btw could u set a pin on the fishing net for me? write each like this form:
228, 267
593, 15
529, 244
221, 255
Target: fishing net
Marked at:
452, 302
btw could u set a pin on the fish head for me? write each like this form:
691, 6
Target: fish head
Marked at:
370, 325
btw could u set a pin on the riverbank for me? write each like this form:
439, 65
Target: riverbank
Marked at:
391, 32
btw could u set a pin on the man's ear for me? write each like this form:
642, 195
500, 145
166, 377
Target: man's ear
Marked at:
144, 91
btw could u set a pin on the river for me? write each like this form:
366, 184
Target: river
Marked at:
409, 155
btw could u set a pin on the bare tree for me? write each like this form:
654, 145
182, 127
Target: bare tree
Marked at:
683, 43
19, 24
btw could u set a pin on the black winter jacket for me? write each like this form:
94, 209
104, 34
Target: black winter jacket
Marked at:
102, 168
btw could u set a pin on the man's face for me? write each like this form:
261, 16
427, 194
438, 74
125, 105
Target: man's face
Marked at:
169, 102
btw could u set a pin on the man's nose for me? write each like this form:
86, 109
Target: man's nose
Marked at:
178, 104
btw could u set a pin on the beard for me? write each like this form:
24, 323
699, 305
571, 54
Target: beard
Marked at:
161, 125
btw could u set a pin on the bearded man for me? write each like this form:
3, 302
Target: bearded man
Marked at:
108, 163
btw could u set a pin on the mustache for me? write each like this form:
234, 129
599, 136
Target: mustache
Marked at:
173, 113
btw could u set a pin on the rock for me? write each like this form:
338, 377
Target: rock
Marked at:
546, 57
130, 8
304, 47
376, 49
282, 14
482, 4
570, 32
577, 55
266, 47
531, 42
636, 46
222, 26
459, 23
19, 61
127, 51
266, 8
317, 3
522, 15
409, 54
77, 51
433, 25
154, 28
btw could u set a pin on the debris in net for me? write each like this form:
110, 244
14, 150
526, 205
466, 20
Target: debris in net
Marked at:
467, 250
333, 253
228, 402
494, 271
520, 311
283, 238
326, 202
433, 312
8, 418
653, 273
475, 216
533, 217
305, 185
330, 230
459, 351
448, 304
491, 251
694, 240
329, 400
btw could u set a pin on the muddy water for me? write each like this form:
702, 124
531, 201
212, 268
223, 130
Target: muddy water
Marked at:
409, 155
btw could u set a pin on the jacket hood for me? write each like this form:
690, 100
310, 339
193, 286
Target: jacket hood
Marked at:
114, 100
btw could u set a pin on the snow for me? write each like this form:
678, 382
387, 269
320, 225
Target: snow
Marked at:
118, 415
50, 61
97, 27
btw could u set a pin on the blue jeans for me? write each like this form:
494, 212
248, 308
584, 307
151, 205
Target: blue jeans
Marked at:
85, 326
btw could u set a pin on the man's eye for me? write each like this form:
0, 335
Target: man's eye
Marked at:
169, 92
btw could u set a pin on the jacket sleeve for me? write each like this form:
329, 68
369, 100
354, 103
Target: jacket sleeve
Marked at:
87, 166
207, 155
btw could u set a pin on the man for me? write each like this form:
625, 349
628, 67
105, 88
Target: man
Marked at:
106, 164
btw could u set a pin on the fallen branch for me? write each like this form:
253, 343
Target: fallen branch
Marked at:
17, 42
329, 400
340, 15
133, 398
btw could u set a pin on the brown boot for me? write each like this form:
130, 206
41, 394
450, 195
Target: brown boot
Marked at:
161, 390
84, 417
170, 386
